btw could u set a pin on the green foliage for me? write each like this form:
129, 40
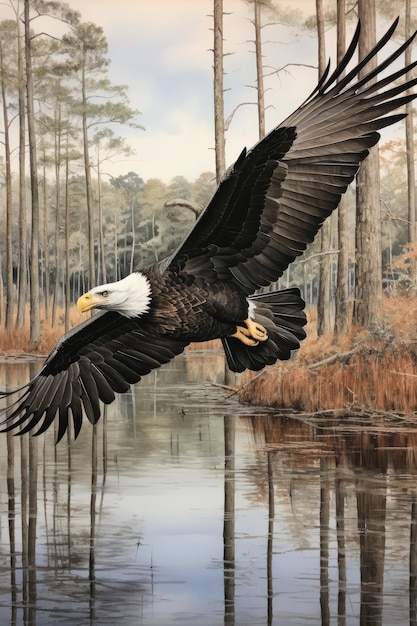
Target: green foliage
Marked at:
386, 9
130, 184
279, 13
157, 230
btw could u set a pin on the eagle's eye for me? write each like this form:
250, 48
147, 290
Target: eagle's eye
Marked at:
104, 293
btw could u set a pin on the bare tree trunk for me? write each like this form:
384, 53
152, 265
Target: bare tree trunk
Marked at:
409, 142
218, 90
259, 70
23, 238
2, 303
412, 590
132, 219
323, 299
66, 226
9, 202
45, 243
88, 189
342, 289
58, 252
116, 256
35, 324
219, 126
101, 251
321, 37
368, 287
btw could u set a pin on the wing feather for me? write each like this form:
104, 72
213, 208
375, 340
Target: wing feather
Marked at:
277, 195
105, 392
91, 363
77, 417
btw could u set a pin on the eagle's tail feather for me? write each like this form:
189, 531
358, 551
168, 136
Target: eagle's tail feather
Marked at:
282, 314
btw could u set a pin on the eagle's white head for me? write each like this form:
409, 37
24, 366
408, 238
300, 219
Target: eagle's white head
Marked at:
130, 296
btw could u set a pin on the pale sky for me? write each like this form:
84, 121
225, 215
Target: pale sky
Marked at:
161, 49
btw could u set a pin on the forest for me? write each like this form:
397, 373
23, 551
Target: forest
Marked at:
66, 224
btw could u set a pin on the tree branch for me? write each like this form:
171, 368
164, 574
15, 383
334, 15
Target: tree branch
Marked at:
187, 204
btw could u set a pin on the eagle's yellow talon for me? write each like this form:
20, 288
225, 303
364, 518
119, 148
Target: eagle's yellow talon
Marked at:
256, 331
250, 334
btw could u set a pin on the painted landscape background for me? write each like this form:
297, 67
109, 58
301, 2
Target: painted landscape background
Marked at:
106, 116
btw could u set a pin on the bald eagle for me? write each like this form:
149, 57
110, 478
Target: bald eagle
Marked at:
265, 212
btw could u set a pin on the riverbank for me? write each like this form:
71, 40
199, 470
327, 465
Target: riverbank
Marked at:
362, 370
376, 371
16, 342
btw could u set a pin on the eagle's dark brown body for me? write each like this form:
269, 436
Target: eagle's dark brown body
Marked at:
188, 307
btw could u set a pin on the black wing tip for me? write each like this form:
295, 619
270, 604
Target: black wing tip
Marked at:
27, 424
327, 82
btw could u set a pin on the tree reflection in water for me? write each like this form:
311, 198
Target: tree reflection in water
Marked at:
229, 520
376, 462
185, 507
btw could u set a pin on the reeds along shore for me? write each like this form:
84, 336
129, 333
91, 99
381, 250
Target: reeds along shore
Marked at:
16, 341
373, 371
382, 378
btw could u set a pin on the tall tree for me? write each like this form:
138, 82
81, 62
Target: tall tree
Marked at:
409, 140
323, 299
220, 152
260, 90
368, 279
87, 47
23, 235
279, 14
107, 145
31, 11
131, 185
35, 324
342, 289
54, 125
7, 39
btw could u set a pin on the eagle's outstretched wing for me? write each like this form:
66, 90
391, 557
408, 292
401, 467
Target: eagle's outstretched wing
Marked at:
101, 357
269, 207
276, 196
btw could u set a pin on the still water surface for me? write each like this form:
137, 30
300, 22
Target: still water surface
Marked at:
188, 508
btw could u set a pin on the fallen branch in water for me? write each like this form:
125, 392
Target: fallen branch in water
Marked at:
236, 390
331, 359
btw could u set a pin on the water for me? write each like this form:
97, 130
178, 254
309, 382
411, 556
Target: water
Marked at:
188, 508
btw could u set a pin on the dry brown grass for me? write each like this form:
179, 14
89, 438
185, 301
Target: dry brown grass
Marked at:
17, 341
360, 370
400, 314
384, 380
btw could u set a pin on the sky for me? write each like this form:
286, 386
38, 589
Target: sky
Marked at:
162, 50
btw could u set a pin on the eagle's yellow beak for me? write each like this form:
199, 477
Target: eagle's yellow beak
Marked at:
86, 302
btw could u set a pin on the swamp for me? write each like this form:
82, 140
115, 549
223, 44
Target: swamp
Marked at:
184, 506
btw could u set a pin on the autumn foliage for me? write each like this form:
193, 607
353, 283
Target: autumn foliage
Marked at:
374, 371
